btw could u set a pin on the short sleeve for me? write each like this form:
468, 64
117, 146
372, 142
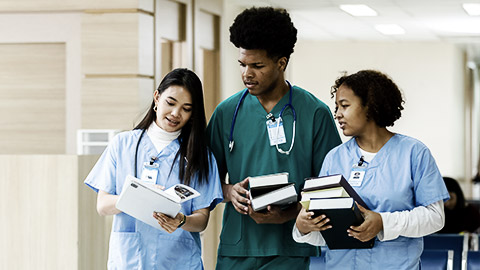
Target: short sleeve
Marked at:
103, 174
211, 193
428, 182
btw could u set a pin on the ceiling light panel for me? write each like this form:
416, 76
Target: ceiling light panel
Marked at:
473, 9
359, 10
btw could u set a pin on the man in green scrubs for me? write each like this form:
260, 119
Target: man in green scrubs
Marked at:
263, 240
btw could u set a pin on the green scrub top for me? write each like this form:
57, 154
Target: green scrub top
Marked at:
253, 156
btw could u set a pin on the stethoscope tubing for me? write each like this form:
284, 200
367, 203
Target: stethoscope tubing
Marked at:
289, 104
136, 151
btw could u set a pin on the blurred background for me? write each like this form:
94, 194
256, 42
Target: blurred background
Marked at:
75, 73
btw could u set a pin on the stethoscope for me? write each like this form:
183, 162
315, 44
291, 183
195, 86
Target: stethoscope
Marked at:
269, 116
152, 159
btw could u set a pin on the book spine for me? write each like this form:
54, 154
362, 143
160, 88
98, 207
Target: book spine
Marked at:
352, 193
358, 215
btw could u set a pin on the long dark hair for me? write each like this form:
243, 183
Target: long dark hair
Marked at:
193, 153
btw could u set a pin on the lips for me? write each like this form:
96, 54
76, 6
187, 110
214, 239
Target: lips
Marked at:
249, 84
172, 122
342, 124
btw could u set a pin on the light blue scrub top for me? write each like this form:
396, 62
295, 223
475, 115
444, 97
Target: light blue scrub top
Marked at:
134, 244
402, 176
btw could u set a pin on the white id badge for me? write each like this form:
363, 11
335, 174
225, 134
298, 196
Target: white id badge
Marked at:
149, 173
272, 132
356, 175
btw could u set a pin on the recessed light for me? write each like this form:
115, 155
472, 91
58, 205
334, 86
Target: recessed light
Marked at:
358, 10
473, 9
390, 29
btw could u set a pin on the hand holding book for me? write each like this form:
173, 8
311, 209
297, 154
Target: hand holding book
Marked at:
271, 189
331, 201
307, 223
238, 195
275, 214
372, 225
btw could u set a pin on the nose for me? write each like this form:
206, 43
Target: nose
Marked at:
248, 72
338, 115
175, 112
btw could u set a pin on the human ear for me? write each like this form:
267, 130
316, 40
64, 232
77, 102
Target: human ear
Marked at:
282, 63
156, 97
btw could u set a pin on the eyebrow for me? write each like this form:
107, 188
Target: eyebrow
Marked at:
255, 63
174, 99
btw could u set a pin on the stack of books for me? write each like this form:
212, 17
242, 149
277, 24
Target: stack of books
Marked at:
272, 189
333, 197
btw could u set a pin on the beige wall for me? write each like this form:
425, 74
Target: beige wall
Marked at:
28, 110
47, 213
102, 47
231, 81
24, 29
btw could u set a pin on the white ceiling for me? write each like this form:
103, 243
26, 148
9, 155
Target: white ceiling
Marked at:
423, 20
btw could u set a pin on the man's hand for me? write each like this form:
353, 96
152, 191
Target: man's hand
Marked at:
372, 225
274, 214
238, 194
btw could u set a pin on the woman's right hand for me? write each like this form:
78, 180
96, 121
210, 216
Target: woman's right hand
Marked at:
306, 224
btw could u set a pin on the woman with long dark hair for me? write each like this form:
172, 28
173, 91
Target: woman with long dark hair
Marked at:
168, 147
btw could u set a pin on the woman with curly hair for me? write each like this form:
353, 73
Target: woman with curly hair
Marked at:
401, 186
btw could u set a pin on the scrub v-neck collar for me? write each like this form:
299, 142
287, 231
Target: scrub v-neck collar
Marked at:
259, 109
381, 154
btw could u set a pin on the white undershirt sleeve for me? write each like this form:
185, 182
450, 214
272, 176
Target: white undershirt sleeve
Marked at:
418, 222
312, 238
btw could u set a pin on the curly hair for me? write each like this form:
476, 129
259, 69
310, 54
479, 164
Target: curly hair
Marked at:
378, 93
264, 28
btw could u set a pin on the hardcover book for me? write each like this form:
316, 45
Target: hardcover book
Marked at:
329, 187
273, 189
343, 213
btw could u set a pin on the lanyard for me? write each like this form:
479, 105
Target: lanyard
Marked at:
289, 104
